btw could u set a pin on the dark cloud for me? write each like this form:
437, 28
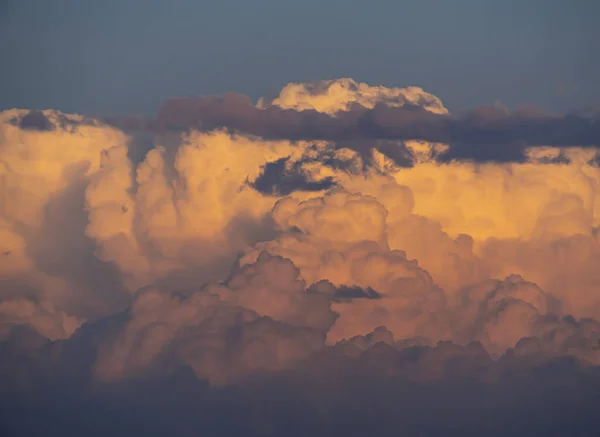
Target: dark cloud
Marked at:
344, 293
416, 391
280, 179
34, 120
482, 134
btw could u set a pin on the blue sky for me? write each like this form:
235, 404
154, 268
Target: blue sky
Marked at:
129, 55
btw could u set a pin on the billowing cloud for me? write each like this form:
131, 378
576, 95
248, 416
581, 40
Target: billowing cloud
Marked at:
48, 265
332, 96
336, 249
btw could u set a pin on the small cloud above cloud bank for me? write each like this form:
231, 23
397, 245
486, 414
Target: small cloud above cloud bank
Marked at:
342, 258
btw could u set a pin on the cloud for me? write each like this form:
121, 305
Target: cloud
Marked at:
333, 96
299, 260
48, 268
483, 134
40, 316
278, 180
35, 120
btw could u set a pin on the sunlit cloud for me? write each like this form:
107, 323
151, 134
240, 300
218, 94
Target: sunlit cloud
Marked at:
336, 229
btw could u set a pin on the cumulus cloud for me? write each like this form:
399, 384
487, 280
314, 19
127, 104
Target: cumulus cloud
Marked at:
333, 96
337, 248
262, 318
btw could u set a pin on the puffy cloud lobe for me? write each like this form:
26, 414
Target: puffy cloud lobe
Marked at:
271, 287
334, 96
451, 261
337, 217
500, 313
263, 318
155, 320
342, 238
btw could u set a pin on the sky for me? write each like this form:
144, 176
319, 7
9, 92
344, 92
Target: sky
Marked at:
291, 218
128, 56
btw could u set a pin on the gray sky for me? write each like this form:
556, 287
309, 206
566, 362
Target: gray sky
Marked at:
116, 56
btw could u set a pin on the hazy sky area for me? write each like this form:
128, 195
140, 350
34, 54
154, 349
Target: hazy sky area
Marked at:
118, 56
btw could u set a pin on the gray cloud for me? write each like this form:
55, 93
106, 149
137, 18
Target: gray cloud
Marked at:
445, 389
278, 180
34, 120
481, 134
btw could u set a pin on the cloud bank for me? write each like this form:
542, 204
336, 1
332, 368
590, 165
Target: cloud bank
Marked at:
341, 258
